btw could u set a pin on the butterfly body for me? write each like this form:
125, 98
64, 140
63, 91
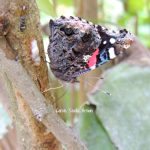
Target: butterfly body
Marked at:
77, 46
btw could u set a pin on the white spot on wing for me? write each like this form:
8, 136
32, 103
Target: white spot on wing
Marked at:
104, 42
112, 40
93, 67
84, 20
91, 23
76, 18
103, 28
111, 53
86, 57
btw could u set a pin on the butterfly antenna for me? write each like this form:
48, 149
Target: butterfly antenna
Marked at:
97, 78
105, 92
53, 88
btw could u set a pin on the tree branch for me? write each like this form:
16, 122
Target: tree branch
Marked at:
42, 111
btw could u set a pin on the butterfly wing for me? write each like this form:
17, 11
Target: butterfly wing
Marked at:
108, 49
76, 46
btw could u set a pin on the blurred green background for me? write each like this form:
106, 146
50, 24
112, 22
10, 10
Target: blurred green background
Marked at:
131, 14
120, 120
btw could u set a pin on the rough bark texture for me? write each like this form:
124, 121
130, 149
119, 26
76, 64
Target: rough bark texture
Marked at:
21, 36
16, 77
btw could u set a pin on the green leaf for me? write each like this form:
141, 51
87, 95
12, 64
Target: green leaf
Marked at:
65, 2
126, 113
92, 131
123, 19
46, 6
135, 6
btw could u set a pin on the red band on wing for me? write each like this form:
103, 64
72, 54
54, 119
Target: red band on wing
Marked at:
92, 60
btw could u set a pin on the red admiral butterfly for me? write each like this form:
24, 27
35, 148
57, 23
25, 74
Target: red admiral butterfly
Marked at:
77, 46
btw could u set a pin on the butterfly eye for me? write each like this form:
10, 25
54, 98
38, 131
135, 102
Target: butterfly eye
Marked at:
68, 31
86, 37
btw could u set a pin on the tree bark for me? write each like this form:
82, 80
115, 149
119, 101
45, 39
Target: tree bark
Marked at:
17, 84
